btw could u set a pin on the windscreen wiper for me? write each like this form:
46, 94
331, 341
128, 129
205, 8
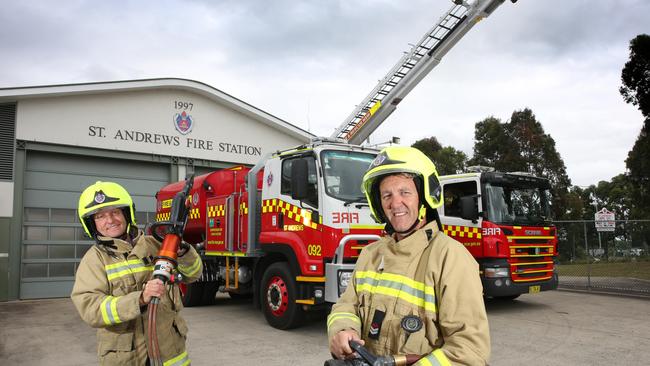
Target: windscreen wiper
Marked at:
360, 200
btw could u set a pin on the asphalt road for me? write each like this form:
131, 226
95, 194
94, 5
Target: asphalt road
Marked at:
550, 328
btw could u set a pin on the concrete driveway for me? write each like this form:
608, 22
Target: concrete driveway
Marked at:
550, 328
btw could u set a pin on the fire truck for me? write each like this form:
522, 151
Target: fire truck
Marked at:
285, 232
504, 220
288, 230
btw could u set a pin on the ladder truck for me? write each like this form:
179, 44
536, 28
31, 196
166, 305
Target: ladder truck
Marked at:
516, 254
287, 231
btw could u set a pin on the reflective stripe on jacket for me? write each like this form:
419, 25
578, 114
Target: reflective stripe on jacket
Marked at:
106, 293
431, 282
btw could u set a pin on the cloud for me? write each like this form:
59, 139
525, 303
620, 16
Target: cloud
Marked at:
310, 62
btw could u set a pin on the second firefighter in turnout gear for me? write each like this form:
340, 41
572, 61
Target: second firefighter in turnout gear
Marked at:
113, 282
416, 291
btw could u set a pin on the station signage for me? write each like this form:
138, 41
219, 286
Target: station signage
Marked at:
605, 220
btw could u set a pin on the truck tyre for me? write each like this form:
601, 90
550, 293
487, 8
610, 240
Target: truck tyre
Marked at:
209, 293
192, 294
278, 297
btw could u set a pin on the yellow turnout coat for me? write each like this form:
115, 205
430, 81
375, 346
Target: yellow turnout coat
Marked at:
106, 292
421, 295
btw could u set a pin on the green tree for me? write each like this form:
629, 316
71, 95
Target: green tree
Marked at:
614, 195
638, 167
450, 161
575, 208
522, 145
447, 159
635, 77
428, 146
492, 145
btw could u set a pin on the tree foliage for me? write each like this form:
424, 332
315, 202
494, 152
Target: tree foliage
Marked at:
614, 195
636, 90
522, 145
636, 75
638, 166
492, 145
447, 159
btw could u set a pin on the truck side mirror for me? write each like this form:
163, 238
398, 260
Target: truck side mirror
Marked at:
299, 172
469, 208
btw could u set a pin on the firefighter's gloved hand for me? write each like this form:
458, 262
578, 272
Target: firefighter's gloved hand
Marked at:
182, 249
152, 288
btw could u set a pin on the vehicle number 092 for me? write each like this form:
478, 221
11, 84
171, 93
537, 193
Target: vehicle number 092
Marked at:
314, 250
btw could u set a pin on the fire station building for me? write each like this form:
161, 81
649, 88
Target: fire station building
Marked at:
143, 134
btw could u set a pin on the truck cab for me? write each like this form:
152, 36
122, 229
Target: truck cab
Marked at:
504, 221
313, 211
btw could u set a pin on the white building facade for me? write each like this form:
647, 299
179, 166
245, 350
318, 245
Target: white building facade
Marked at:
142, 134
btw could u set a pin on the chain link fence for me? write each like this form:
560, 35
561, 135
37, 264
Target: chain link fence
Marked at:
614, 262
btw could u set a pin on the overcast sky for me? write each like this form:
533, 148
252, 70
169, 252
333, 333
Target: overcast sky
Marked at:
311, 62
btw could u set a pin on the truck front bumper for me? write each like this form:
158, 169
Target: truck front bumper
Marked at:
505, 287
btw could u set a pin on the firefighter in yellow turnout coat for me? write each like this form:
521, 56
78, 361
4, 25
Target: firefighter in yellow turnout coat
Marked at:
416, 291
113, 282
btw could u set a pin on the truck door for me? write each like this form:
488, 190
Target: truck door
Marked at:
299, 207
465, 231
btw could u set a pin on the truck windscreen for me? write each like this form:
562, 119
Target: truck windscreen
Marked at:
343, 172
517, 204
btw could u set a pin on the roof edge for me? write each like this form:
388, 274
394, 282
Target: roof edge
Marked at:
39, 91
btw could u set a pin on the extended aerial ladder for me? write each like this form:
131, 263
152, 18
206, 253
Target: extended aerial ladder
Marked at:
412, 68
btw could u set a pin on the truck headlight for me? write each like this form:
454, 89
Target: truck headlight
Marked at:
496, 272
344, 280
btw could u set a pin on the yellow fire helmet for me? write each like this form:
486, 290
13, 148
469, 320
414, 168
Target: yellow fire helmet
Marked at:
102, 195
402, 159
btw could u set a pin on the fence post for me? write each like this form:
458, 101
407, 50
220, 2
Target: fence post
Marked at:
588, 259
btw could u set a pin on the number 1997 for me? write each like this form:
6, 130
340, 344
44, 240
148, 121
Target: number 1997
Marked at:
183, 105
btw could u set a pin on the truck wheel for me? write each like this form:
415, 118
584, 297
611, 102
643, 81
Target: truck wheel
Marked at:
193, 294
278, 296
209, 293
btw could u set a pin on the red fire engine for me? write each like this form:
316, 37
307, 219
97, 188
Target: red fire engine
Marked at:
286, 232
503, 219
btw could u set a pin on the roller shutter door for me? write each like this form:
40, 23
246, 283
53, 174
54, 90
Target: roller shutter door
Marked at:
53, 242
